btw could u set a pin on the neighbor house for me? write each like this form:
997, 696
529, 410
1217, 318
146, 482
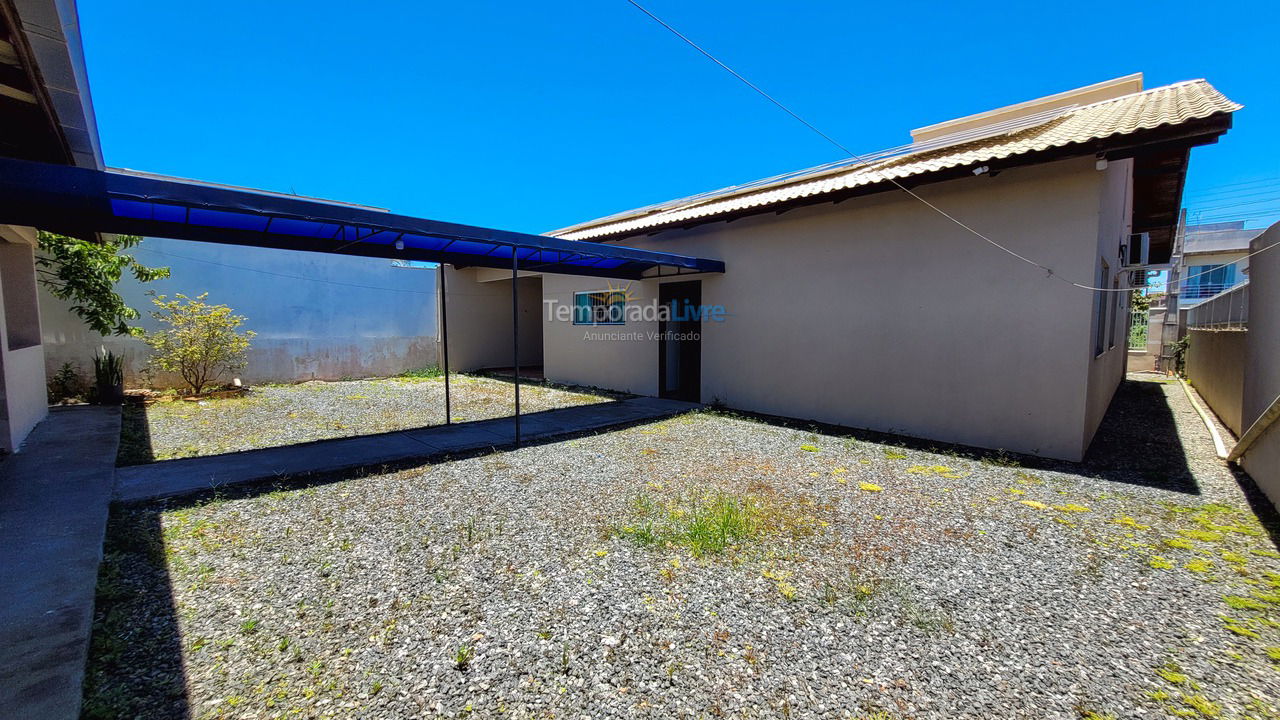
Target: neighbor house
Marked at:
846, 300
1214, 258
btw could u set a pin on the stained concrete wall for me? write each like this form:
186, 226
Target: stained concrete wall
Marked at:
879, 313
1262, 362
317, 316
1216, 368
22, 395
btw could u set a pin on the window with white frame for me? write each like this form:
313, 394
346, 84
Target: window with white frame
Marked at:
599, 307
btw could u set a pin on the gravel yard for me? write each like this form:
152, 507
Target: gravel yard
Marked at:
710, 566
273, 415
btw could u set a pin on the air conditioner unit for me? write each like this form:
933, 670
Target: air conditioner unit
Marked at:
1138, 278
1136, 252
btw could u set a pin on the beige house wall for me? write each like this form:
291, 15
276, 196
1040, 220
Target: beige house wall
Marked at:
1106, 370
878, 313
22, 396
479, 307
1216, 369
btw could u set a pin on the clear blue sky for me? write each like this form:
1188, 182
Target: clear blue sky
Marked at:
530, 116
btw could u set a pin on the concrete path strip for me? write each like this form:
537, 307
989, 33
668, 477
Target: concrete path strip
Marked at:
54, 496
171, 478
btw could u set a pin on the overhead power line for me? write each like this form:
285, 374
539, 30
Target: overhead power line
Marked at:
859, 158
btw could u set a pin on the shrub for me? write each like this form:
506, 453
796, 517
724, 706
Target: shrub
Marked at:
65, 385
198, 341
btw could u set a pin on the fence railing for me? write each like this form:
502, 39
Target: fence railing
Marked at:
1225, 311
1139, 321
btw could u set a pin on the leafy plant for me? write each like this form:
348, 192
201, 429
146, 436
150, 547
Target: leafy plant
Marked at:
65, 384
199, 341
1179, 349
85, 273
429, 372
462, 657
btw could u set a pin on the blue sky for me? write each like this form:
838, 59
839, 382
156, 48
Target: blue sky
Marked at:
532, 116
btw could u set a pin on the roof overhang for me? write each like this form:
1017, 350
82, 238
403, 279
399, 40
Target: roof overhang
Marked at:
45, 104
81, 201
1160, 156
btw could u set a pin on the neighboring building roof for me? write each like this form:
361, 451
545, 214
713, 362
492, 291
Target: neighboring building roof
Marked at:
1056, 128
1219, 237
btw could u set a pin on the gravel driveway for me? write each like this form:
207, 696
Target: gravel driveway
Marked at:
708, 566
273, 415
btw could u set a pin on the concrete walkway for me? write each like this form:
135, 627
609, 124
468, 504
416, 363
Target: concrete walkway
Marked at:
54, 495
189, 475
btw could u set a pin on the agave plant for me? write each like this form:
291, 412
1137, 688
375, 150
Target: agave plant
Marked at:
108, 371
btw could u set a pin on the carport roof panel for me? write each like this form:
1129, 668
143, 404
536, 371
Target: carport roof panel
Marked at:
79, 200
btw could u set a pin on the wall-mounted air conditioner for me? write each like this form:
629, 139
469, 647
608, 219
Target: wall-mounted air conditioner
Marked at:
1136, 251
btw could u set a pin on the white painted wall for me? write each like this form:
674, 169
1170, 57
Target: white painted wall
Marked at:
22, 396
879, 313
318, 316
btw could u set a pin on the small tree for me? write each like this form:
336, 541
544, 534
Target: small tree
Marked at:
85, 273
197, 340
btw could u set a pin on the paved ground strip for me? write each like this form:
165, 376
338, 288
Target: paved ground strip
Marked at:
53, 511
190, 475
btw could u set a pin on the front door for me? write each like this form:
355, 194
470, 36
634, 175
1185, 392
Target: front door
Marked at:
680, 342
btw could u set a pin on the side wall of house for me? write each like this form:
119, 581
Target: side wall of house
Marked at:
879, 313
316, 316
479, 306
22, 395
1110, 309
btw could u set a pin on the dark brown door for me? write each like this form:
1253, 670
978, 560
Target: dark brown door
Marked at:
680, 342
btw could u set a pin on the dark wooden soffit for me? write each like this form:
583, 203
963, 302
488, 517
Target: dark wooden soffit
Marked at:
1158, 179
1160, 169
30, 130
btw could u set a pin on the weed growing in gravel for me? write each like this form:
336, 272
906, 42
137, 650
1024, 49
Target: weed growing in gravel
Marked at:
430, 372
1000, 458
704, 523
462, 657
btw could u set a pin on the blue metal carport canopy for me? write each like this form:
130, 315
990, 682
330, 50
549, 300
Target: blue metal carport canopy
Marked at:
81, 201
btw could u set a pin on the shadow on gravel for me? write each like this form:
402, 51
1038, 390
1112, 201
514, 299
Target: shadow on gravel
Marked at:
1260, 504
1137, 442
135, 666
135, 436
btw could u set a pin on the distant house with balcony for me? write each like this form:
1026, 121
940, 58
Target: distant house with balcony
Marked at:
1209, 258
